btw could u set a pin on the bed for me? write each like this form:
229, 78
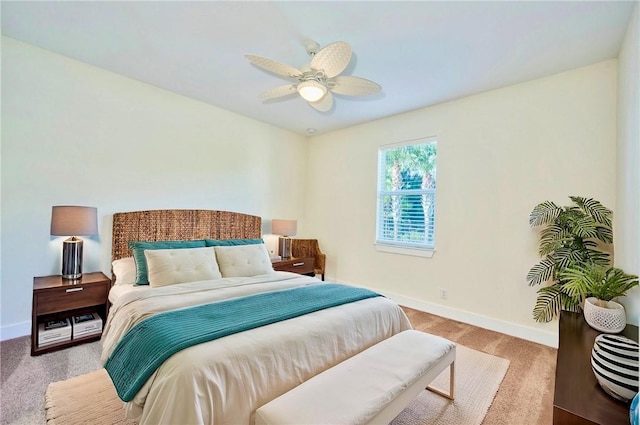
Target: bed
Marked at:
223, 381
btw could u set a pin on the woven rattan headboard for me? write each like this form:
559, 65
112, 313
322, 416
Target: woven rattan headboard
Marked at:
168, 225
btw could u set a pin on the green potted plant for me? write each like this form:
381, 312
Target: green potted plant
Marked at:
572, 235
597, 286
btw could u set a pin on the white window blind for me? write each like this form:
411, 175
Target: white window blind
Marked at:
407, 194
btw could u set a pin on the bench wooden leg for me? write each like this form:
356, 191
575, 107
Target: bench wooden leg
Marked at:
452, 374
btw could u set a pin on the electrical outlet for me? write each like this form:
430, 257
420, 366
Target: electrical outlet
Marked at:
444, 293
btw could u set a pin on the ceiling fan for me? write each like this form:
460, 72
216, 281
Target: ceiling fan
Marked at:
315, 81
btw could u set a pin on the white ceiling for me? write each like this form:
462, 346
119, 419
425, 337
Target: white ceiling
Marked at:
421, 52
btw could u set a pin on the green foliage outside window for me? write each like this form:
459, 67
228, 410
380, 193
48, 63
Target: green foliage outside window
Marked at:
406, 195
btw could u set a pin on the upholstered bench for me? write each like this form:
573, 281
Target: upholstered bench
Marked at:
371, 387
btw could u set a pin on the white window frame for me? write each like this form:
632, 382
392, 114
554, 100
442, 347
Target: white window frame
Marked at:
423, 249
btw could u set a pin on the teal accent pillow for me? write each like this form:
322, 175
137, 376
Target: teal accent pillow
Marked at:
137, 248
232, 242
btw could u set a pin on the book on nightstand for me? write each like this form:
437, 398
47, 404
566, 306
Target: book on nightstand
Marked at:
53, 331
86, 324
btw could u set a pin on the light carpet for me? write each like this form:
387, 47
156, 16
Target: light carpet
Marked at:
92, 399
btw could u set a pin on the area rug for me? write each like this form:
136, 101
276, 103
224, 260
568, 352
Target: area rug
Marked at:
477, 380
92, 399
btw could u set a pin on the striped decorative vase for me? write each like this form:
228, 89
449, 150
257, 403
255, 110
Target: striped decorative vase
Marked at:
614, 360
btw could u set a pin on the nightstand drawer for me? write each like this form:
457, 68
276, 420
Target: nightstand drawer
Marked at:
70, 297
296, 265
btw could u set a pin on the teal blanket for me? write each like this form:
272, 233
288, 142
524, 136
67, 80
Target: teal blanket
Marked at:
149, 343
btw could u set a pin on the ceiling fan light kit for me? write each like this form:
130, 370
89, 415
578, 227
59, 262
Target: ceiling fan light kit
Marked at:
319, 78
311, 90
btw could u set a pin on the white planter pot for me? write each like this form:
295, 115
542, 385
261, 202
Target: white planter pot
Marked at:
609, 320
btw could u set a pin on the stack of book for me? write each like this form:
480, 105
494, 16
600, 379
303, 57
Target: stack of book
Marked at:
54, 331
86, 325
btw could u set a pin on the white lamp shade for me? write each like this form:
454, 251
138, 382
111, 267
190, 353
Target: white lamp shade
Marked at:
74, 221
284, 227
311, 91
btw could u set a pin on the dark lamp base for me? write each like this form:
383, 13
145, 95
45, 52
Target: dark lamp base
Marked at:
284, 247
72, 258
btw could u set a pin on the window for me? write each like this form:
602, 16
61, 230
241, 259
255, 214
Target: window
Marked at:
407, 195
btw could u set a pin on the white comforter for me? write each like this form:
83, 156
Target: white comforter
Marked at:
224, 381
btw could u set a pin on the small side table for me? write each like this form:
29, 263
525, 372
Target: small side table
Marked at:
55, 298
578, 398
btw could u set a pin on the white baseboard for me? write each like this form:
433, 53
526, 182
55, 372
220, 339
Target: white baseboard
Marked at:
519, 331
15, 330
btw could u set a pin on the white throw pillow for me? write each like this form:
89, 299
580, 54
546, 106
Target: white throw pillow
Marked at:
124, 271
243, 260
171, 266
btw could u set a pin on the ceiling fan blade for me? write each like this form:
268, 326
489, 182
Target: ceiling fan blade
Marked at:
354, 86
324, 104
280, 91
274, 66
332, 59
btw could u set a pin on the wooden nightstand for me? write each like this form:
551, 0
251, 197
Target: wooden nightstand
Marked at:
55, 298
295, 265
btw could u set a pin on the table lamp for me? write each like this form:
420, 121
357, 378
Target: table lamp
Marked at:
73, 221
284, 228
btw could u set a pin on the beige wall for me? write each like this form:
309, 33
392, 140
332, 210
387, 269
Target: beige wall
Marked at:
627, 209
499, 154
75, 134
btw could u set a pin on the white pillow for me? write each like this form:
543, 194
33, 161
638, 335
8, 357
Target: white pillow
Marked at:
171, 266
243, 260
124, 271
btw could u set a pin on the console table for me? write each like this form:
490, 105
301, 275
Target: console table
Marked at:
578, 398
